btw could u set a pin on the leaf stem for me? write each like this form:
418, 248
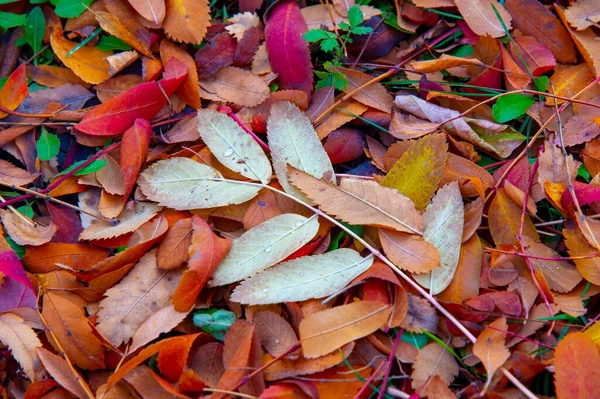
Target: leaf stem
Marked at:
226, 110
84, 41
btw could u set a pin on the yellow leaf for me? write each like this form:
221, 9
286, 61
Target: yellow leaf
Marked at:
419, 170
187, 21
88, 62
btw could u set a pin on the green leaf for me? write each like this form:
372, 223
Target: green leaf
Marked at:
8, 1
511, 106
361, 30
110, 43
10, 20
314, 35
329, 45
214, 322
26, 210
71, 8
583, 173
47, 146
355, 16
35, 28
19, 249
91, 168
541, 83
417, 340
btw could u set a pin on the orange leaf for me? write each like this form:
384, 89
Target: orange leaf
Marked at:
490, 347
43, 259
187, 21
327, 330
504, 218
188, 90
173, 251
149, 385
66, 376
71, 328
134, 151
14, 90
577, 368
153, 10
207, 250
173, 358
144, 354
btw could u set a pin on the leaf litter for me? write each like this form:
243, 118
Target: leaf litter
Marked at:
273, 199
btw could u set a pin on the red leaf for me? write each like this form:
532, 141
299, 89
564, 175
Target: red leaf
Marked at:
538, 58
344, 145
144, 101
206, 252
217, 54
289, 55
67, 221
134, 151
14, 90
16, 291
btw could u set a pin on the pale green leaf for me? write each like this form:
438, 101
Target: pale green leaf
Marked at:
293, 141
444, 220
265, 245
233, 147
419, 170
129, 220
304, 278
182, 183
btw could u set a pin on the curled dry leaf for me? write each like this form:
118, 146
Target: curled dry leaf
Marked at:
24, 233
129, 220
265, 245
304, 278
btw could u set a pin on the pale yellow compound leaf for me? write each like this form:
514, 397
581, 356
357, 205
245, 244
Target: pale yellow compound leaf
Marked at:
419, 170
293, 141
304, 278
359, 201
182, 183
265, 245
129, 220
142, 293
443, 219
232, 146
23, 342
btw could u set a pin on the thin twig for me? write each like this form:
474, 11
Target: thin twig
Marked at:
19, 214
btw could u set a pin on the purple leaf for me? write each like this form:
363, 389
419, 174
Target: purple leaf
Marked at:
16, 290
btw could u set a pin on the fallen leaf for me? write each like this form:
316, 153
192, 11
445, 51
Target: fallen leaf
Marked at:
24, 233
490, 347
64, 374
409, 252
23, 343
504, 218
325, 331
187, 21
237, 86
466, 282
358, 202
215, 55
134, 151
433, 360
374, 95
14, 90
12, 175
188, 89
129, 220
294, 142
274, 332
173, 250
263, 246
304, 278
152, 10
17, 290
158, 323
577, 365
583, 14
481, 17
443, 220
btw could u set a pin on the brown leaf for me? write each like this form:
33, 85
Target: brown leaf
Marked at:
433, 360
24, 233
465, 283
490, 348
530, 15
359, 201
208, 363
444, 62
13, 175
560, 275
328, 330
187, 21
152, 10
127, 305
579, 246
219, 53
53, 76
23, 342
375, 95
586, 43
237, 86
409, 252
274, 333
73, 332
66, 376
577, 367
149, 385
111, 88
345, 113
553, 168
158, 323
173, 250
126, 29
481, 17
504, 218
420, 315
437, 389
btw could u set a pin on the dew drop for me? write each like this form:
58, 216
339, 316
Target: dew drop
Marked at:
228, 153
238, 263
277, 340
557, 267
268, 248
265, 290
301, 274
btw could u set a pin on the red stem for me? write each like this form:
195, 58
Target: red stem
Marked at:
245, 380
368, 382
64, 177
386, 377
226, 110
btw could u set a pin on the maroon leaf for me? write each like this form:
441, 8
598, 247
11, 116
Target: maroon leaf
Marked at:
17, 291
217, 54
